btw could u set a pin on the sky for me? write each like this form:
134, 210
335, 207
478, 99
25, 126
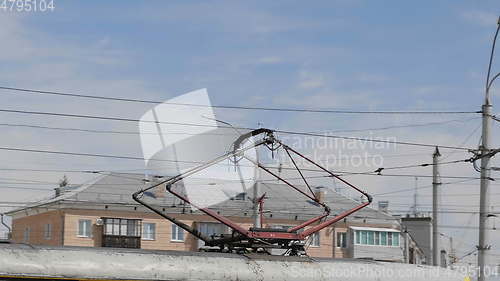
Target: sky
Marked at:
347, 55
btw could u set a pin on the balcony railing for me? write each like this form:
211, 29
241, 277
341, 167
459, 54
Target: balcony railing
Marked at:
115, 241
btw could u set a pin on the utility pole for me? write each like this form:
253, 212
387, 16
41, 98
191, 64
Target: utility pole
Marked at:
484, 201
406, 245
484, 150
436, 182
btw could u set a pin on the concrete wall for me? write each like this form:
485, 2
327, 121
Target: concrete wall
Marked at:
126, 264
420, 229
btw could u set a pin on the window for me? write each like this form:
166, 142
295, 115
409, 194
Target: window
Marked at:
132, 228
122, 227
342, 239
26, 234
383, 238
364, 237
84, 227
315, 239
376, 238
371, 238
209, 229
177, 233
109, 226
122, 233
212, 228
148, 231
47, 231
395, 239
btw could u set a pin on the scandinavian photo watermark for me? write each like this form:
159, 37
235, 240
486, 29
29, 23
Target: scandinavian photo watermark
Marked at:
332, 152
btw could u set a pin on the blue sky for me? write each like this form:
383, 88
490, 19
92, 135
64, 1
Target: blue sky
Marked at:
403, 51
360, 55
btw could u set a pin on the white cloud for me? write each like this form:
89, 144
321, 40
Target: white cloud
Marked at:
312, 83
481, 17
40, 61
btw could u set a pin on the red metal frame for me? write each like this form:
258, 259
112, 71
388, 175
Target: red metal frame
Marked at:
291, 234
338, 217
260, 201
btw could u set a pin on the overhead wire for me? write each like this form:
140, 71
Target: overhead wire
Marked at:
302, 110
399, 126
463, 142
372, 140
74, 129
199, 162
241, 128
448, 195
301, 209
420, 187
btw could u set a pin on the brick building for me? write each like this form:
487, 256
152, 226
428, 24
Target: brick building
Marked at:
102, 213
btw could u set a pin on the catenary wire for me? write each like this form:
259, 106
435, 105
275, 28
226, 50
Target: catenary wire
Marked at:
74, 129
287, 132
120, 99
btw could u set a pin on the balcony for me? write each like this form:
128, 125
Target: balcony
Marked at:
121, 233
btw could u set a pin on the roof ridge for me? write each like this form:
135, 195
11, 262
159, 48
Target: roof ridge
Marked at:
64, 196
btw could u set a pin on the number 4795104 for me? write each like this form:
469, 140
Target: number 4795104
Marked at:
27, 5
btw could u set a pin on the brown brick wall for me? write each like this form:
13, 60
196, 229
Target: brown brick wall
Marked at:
326, 243
36, 225
339, 252
70, 217
162, 240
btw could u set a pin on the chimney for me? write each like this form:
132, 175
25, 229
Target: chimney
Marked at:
57, 191
319, 193
158, 191
383, 206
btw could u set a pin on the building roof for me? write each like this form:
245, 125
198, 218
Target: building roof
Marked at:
114, 190
428, 219
374, 229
